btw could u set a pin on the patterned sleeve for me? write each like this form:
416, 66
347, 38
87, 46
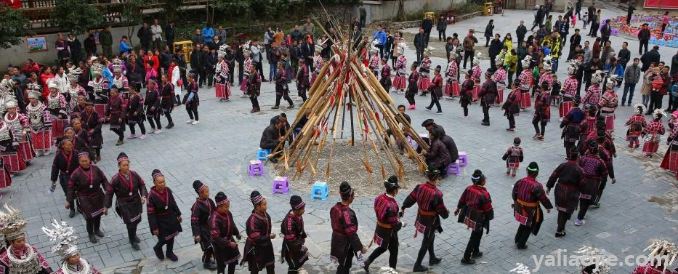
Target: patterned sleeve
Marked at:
195, 219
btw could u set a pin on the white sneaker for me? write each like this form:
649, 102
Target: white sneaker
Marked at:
578, 222
157, 131
132, 136
143, 136
189, 121
195, 122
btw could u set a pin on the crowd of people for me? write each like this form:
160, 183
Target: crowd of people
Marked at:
66, 105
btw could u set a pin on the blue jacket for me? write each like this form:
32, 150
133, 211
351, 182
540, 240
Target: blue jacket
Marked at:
124, 47
207, 34
380, 36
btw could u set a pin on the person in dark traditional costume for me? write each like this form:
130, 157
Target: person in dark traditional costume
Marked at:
345, 242
62, 235
201, 211
636, 124
164, 216
385, 80
258, 251
653, 133
254, 90
475, 211
87, 185
527, 194
511, 106
115, 114
438, 156
513, 156
571, 125
435, 86
65, 162
153, 107
271, 138
191, 100
488, 96
167, 101
92, 125
542, 111
388, 224
18, 256
302, 79
131, 194
80, 136
135, 113
222, 232
281, 88
593, 170
567, 179
429, 199
294, 236
412, 88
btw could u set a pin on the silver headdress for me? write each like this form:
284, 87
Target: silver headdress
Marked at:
97, 69
12, 223
572, 68
74, 73
658, 113
611, 81
547, 63
526, 61
222, 50
597, 77
117, 65
663, 250
640, 108
64, 238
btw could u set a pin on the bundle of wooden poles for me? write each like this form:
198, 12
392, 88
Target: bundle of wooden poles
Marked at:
346, 100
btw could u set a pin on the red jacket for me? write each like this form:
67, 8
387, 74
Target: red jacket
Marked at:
154, 58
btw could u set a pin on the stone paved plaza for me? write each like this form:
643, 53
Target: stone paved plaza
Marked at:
642, 205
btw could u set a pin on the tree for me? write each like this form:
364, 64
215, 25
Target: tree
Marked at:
132, 15
76, 16
13, 26
171, 8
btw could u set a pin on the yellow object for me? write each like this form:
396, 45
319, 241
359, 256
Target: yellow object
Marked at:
488, 9
185, 47
429, 15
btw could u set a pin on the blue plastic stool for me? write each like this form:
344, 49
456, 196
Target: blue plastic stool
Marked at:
320, 190
262, 154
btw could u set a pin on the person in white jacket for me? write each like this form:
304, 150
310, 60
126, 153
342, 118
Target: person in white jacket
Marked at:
175, 77
61, 80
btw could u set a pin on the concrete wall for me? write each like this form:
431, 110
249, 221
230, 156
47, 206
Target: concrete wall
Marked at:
389, 9
18, 54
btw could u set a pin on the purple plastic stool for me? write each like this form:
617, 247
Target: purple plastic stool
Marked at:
256, 168
463, 159
454, 168
280, 185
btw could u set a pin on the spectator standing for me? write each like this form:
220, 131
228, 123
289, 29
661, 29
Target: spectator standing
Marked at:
650, 57
124, 47
197, 65
495, 47
469, 45
197, 37
106, 41
207, 33
296, 34
255, 52
308, 27
665, 21
156, 30
388, 47
644, 38
221, 33
420, 44
145, 36
520, 32
380, 37
489, 29
631, 77
170, 31
624, 55
90, 45
577, 8
75, 48
63, 54
629, 12
441, 26
538, 18
427, 25
605, 31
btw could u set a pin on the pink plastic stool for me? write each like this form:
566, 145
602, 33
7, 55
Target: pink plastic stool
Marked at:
256, 168
280, 185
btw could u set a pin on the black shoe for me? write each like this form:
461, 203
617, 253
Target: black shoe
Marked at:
209, 265
290, 106
275, 107
560, 234
158, 252
487, 124
477, 255
136, 239
468, 261
172, 257
434, 261
72, 213
99, 233
135, 246
93, 239
366, 267
169, 126
419, 268
521, 246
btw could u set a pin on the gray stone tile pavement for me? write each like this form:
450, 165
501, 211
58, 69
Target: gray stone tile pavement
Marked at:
640, 207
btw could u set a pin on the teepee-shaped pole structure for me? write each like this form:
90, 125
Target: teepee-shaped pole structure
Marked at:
347, 101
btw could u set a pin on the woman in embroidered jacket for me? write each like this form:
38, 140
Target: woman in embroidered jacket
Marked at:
222, 232
164, 216
258, 247
86, 185
200, 227
18, 256
131, 194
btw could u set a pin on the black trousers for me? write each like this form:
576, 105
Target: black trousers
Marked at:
426, 246
655, 101
169, 243
255, 102
435, 100
584, 205
381, 51
473, 245
522, 235
643, 45
392, 252
345, 266
202, 73
284, 96
192, 110
468, 54
93, 224
511, 119
221, 267
410, 98
260, 69
302, 94
442, 36
539, 125
154, 121
493, 64
486, 112
168, 115
420, 55
120, 132
240, 71
562, 220
142, 127
231, 72
269, 270
63, 181
132, 231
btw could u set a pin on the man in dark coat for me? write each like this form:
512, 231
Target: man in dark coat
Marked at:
75, 47
575, 40
145, 36
270, 138
420, 44
90, 45
495, 47
170, 31
520, 32
644, 38
650, 57
427, 25
527, 194
429, 124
